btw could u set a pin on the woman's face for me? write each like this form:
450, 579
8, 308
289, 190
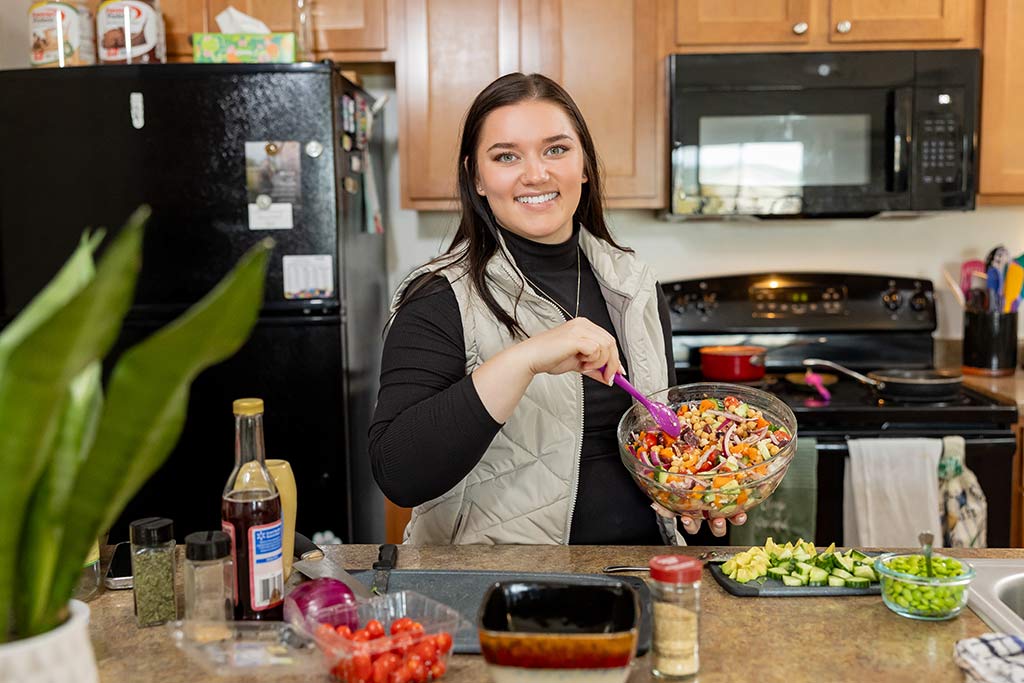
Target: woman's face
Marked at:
530, 169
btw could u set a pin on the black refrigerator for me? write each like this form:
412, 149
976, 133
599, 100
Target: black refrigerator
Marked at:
226, 155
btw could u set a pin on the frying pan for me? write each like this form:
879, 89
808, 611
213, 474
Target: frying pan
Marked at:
902, 385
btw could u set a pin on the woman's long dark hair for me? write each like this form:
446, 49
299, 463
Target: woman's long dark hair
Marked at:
477, 232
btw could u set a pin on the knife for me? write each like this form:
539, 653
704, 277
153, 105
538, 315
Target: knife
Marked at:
311, 561
386, 559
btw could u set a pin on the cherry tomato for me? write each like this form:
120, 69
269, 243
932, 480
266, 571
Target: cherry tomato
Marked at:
437, 669
344, 631
650, 439
444, 642
383, 667
399, 675
374, 628
399, 625
415, 628
359, 668
401, 643
427, 649
360, 635
324, 630
418, 672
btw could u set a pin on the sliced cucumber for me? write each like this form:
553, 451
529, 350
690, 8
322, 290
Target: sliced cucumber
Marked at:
860, 557
792, 581
777, 572
818, 577
857, 582
845, 562
836, 582
865, 572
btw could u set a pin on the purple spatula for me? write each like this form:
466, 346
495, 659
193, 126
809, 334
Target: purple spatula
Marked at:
665, 417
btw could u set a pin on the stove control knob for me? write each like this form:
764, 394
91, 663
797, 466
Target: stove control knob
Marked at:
919, 301
678, 303
707, 304
892, 299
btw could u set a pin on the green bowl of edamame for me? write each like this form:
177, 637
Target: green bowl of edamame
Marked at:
908, 590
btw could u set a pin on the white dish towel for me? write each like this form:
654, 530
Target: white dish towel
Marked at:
891, 492
992, 658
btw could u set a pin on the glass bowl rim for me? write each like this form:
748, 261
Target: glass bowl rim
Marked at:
886, 571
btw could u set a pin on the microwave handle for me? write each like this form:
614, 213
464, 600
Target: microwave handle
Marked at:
902, 111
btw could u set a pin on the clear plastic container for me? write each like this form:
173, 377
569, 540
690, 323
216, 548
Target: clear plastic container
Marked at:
675, 597
350, 660
248, 650
209, 576
89, 581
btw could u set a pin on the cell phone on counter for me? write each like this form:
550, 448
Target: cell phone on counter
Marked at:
119, 573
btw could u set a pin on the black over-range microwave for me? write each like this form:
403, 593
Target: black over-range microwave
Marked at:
823, 133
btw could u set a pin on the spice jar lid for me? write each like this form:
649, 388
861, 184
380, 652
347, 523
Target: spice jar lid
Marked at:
151, 531
248, 406
675, 568
207, 545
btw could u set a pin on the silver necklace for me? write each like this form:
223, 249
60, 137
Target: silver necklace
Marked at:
568, 315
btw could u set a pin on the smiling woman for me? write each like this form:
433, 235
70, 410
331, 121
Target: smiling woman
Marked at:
485, 421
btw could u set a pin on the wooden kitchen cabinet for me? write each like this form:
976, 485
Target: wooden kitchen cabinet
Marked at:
607, 60
451, 50
819, 25
859, 21
1001, 175
182, 18
709, 22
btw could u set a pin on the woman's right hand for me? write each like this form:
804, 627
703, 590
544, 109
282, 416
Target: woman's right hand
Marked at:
576, 345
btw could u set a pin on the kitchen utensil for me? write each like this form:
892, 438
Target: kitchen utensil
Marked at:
902, 385
664, 417
958, 293
676, 492
618, 568
386, 559
925, 538
463, 591
800, 379
994, 284
311, 561
967, 270
1012, 285
814, 379
744, 363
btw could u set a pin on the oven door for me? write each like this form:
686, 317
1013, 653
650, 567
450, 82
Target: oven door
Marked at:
989, 456
838, 151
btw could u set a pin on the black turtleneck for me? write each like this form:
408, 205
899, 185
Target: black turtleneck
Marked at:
430, 427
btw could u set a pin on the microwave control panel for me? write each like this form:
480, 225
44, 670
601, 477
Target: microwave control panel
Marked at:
940, 142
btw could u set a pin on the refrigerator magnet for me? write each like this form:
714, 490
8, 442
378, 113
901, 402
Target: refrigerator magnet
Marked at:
362, 121
355, 162
308, 276
346, 142
351, 185
348, 114
273, 174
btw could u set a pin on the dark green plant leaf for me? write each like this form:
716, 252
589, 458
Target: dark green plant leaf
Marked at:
147, 397
34, 382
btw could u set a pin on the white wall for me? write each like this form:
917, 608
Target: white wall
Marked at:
14, 34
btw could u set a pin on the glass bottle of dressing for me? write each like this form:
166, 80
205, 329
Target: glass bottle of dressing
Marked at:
251, 517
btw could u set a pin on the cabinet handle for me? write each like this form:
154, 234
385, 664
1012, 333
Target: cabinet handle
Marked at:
844, 27
800, 28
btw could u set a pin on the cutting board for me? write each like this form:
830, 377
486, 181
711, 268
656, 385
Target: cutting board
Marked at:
773, 588
464, 590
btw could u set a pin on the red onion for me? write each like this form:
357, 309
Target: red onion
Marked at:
324, 601
728, 416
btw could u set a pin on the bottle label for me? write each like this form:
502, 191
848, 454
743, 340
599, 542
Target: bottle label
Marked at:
62, 34
229, 528
266, 569
130, 31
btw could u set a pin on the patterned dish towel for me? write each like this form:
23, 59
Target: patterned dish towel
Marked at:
991, 658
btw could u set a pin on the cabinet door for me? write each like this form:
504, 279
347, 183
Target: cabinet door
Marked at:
452, 49
350, 25
182, 18
276, 14
1002, 92
706, 22
608, 63
855, 21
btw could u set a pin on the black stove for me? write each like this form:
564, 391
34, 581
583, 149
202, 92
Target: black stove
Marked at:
864, 322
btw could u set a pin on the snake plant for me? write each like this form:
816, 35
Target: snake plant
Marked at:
73, 453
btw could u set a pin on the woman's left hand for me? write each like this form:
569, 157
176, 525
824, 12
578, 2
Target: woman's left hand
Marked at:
692, 525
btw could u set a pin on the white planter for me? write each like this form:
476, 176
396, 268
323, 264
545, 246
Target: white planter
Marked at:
63, 655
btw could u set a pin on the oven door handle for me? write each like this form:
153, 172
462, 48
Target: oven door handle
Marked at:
902, 110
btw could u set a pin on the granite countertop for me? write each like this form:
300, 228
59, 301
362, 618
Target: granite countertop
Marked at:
763, 639
1009, 387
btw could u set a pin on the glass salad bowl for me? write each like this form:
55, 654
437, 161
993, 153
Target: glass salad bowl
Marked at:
692, 475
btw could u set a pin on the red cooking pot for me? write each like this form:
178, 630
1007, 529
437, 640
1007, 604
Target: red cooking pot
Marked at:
732, 363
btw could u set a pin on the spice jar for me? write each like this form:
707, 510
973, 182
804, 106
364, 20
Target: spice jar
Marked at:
209, 572
675, 594
152, 542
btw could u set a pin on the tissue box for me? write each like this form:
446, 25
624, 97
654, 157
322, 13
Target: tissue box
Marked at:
237, 48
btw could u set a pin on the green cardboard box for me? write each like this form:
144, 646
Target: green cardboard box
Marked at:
243, 48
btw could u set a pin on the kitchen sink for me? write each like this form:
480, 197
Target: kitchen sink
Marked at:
997, 594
